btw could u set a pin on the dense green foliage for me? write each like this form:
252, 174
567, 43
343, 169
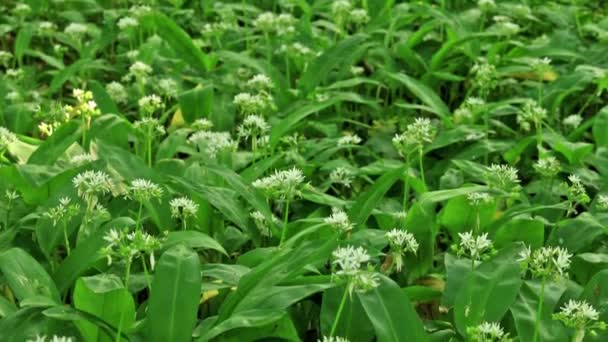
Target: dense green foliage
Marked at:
303, 170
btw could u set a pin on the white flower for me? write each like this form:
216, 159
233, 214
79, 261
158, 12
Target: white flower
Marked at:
488, 332
90, 184
402, 241
418, 133
143, 190
350, 259
602, 201
150, 104
580, 315
251, 104
203, 124
140, 70
127, 23
474, 246
531, 113
501, 176
253, 125
117, 92
547, 166
140, 10
283, 184
358, 16
112, 237
76, 30
212, 143
486, 4
183, 207
82, 158
333, 339
260, 82
46, 27
341, 175
349, 139
572, 121
546, 261
340, 7
339, 220
265, 22
150, 126
168, 87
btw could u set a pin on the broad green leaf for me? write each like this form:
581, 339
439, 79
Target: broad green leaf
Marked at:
530, 232
458, 215
26, 277
425, 94
392, 314
102, 98
56, 145
192, 239
354, 322
600, 128
196, 103
173, 304
105, 297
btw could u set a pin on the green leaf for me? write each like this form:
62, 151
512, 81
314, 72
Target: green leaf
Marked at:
246, 319
458, 215
354, 323
105, 297
367, 201
176, 289
192, 239
575, 152
57, 144
339, 55
102, 98
196, 103
179, 41
489, 290
392, 314
529, 231
600, 128
425, 94
22, 42
64, 75
26, 277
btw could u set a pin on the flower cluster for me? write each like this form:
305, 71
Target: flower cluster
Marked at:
269, 22
602, 201
91, 184
150, 104
127, 246
117, 92
260, 82
468, 110
6, 138
401, 242
253, 126
341, 175
63, 212
502, 177
546, 261
580, 315
212, 143
284, 184
531, 114
348, 262
183, 208
576, 193
84, 107
547, 166
150, 126
202, 124
474, 247
140, 71
262, 223
478, 198
349, 139
339, 220
143, 190
54, 338
416, 134
334, 339
485, 77
572, 121
488, 332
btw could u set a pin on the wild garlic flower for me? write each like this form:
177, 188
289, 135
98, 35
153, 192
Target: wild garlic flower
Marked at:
501, 176
212, 143
581, 316
296, 50
488, 332
474, 247
416, 135
485, 77
531, 114
602, 202
572, 121
251, 104
150, 126
117, 92
349, 139
5, 58
357, 70
486, 5
260, 82
126, 246
468, 110
63, 212
265, 22
140, 71
54, 338
143, 190
340, 8
126, 23
401, 242
341, 175
546, 261
348, 265
85, 106
11, 195
262, 223
76, 30
139, 10
478, 198
46, 27
22, 10
541, 65
168, 87
253, 126
284, 24
333, 339
150, 104
183, 208
284, 184
203, 124
16, 74
358, 16
6, 138
339, 220
91, 184
547, 167
576, 193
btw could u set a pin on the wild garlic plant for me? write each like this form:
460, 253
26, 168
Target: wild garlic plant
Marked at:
351, 267
475, 247
211, 144
532, 115
503, 179
151, 129
339, 220
11, 197
61, 215
183, 209
253, 127
545, 263
143, 191
488, 332
416, 136
576, 194
91, 186
400, 243
477, 200
85, 108
580, 316
283, 186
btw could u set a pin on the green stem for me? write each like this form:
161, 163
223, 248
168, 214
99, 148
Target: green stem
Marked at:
539, 309
137, 223
284, 232
84, 130
339, 313
579, 335
143, 263
406, 182
420, 155
127, 274
149, 146
65, 237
